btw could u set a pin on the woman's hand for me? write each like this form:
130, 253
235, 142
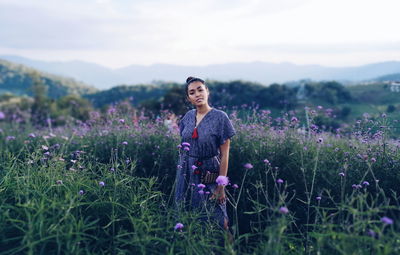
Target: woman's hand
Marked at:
219, 194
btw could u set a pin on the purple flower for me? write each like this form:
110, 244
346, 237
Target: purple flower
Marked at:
125, 143
10, 137
283, 210
121, 121
32, 135
102, 184
194, 167
320, 140
294, 119
305, 148
373, 160
248, 166
387, 220
201, 186
371, 233
59, 182
186, 148
112, 169
280, 181
341, 174
266, 161
201, 192
235, 186
179, 146
318, 198
365, 183
81, 192
222, 180
178, 226
2, 116
186, 144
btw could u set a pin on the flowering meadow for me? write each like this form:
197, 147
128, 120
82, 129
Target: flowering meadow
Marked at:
106, 186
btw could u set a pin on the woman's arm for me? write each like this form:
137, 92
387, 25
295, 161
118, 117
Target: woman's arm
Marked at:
224, 149
219, 193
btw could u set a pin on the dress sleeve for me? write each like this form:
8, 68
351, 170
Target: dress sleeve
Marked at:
181, 125
226, 130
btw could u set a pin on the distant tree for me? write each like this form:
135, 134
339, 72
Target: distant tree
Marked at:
175, 100
391, 108
40, 110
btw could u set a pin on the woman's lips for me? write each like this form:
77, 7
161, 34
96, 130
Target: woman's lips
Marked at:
198, 100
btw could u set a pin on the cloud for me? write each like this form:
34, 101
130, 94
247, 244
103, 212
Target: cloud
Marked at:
198, 32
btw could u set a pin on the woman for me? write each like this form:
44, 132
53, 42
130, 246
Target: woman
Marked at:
204, 155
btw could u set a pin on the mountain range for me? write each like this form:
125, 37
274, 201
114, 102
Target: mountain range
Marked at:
18, 79
261, 72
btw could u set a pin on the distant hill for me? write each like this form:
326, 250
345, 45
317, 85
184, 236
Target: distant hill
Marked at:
260, 72
16, 79
389, 77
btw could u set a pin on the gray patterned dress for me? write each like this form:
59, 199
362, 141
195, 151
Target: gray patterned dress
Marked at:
203, 152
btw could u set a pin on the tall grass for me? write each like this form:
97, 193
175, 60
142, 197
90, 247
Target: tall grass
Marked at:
106, 187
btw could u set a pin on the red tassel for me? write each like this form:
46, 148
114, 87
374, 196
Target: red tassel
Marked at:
195, 135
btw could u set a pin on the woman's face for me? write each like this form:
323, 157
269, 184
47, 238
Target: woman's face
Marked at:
198, 93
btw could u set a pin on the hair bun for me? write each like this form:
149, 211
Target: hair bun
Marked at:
189, 79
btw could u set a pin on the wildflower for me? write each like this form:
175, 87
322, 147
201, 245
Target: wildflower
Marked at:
112, 169
10, 137
320, 140
248, 166
102, 184
387, 220
283, 210
371, 233
373, 160
365, 183
201, 186
47, 153
319, 107
318, 198
266, 161
122, 121
280, 181
186, 148
294, 119
125, 143
81, 192
222, 180
201, 192
2, 116
341, 174
305, 148
127, 161
354, 186
235, 186
383, 115
178, 226
207, 192
186, 144
179, 166
59, 182
179, 146
32, 135
44, 147
194, 167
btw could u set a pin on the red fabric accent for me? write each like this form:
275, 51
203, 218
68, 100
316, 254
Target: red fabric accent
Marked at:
195, 135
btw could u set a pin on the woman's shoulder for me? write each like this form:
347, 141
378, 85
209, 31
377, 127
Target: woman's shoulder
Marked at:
221, 113
188, 113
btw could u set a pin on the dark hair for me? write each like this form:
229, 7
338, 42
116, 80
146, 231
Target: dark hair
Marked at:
191, 79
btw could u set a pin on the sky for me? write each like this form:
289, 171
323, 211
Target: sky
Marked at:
203, 32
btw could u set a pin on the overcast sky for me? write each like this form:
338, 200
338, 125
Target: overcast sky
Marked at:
185, 32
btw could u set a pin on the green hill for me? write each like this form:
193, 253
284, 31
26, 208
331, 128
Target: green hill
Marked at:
17, 79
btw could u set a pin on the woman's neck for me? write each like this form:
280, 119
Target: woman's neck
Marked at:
203, 109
